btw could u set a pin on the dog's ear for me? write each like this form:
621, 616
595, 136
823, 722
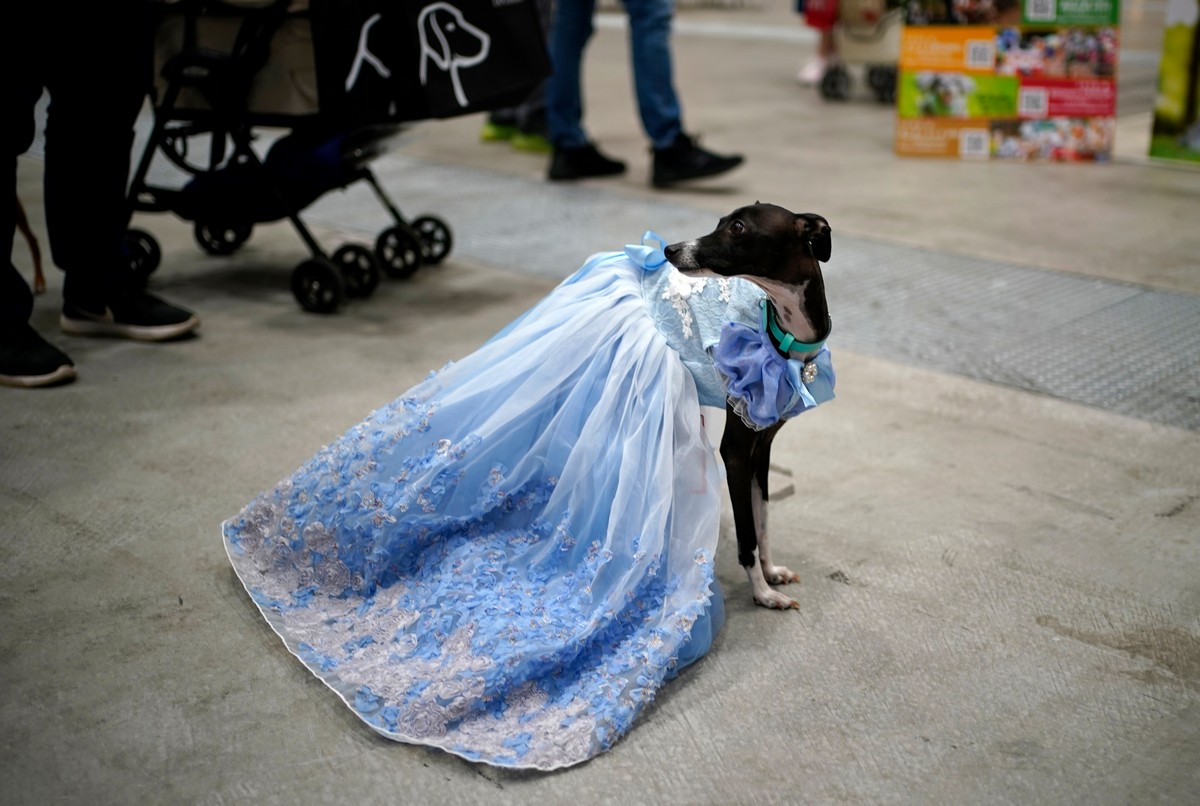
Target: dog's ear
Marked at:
822, 246
815, 230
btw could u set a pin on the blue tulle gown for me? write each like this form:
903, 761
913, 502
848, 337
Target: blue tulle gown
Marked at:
509, 560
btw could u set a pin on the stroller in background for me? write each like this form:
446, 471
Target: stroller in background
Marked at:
230, 68
866, 33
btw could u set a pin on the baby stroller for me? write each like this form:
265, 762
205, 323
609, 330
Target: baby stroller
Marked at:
220, 82
867, 33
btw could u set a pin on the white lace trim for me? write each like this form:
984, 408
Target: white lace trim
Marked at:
679, 290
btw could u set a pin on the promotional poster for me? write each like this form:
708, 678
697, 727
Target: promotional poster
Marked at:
1008, 79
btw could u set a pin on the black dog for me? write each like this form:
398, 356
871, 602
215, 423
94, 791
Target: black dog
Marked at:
779, 251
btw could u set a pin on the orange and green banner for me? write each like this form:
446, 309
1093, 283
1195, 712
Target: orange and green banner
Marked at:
1008, 79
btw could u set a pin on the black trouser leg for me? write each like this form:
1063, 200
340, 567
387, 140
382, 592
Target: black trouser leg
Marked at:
95, 96
20, 89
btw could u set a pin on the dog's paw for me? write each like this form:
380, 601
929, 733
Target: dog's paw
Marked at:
779, 574
775, 600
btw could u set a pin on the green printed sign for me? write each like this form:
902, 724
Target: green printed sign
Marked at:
929, 94
1071, 12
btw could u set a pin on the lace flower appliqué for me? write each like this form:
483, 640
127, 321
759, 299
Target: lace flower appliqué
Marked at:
764, 387
679, 290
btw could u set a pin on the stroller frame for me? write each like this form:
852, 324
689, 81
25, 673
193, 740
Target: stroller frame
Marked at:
223, 80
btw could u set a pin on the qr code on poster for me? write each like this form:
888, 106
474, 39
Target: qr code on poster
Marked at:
973, 143
980, 53
1040, 10
1033, 102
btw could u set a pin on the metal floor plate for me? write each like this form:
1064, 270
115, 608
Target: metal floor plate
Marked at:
1118, 347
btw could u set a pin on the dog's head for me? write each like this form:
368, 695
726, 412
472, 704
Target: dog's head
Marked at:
759, 240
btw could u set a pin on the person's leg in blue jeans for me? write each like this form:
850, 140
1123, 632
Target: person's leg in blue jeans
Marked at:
676, 156
574, 156
569, 35
650, 52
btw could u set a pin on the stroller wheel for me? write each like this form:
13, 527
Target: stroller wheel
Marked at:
883, 83
436, 240
399, 251
143, 252
360, 270
318, 286
835, 84
222, 239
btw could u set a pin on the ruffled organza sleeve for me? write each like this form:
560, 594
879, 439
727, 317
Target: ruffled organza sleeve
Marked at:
764, 387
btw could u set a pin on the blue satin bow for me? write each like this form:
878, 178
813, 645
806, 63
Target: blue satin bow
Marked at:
649, 253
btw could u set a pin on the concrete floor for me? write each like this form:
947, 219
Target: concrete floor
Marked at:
1000, 600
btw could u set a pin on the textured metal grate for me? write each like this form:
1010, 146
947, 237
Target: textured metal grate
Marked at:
1117, 347
1137, 357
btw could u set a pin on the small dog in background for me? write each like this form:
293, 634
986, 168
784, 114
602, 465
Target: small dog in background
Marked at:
35, 251
781, 252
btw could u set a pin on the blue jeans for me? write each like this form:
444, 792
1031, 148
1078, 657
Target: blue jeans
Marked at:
650, 51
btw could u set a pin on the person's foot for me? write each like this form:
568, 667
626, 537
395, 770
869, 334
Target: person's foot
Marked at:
582, 162
500, 126
532, 141
135, 315
497, 132
28, 360
684, 160
813, 71
534, 135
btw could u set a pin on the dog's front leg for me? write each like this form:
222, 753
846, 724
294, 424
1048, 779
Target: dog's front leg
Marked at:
759, 496
740, 447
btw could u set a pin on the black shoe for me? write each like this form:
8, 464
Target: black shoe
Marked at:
683, 160
28, 360
134, 315
582, 162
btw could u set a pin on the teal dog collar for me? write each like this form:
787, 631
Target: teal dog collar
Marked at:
784, 341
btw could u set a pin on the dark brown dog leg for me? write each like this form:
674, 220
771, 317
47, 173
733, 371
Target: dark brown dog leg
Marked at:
760, 495
747, 457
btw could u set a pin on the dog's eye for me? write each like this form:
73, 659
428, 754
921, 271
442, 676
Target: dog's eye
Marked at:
737, 228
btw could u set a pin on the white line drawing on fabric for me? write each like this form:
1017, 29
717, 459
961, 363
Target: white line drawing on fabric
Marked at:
440, 22
365, 55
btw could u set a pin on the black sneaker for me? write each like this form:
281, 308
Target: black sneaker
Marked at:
28, 360
683, 160
582, 162
135, 315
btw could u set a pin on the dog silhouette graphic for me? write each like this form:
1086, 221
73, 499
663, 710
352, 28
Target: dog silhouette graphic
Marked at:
450, 43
